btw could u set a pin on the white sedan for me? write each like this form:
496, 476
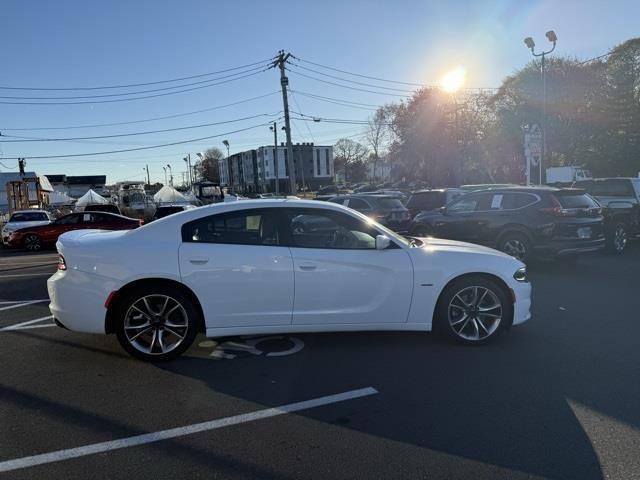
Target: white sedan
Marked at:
24, 219
278, 266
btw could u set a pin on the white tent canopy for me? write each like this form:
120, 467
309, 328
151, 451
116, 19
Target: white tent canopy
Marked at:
169, 194
59, 198
91, 198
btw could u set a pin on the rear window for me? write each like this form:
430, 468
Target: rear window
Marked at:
611, 188
576, 201
166, 211
29, 217
389, 203
427, 200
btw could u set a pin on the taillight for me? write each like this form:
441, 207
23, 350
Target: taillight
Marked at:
62, 265
140, 222
555, 211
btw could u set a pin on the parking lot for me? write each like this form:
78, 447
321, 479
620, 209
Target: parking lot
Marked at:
554, 398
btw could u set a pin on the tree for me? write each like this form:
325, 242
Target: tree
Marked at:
377, 136
207, 168
350, 157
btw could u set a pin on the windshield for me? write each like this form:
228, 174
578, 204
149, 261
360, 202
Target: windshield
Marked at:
29, 217
389, 203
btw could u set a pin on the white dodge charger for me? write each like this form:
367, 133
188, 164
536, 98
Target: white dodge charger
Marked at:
277, 266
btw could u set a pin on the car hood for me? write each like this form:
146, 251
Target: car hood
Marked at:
13, 226
444, 245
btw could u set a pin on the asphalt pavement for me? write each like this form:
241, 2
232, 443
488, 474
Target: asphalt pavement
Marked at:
558, 397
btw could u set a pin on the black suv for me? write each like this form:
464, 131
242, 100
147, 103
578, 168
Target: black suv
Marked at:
385, 209
523, 221
621, 199
427, 200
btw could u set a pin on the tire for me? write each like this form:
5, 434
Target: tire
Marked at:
617, 238
32, 243
149, 316
473, 310
517, 245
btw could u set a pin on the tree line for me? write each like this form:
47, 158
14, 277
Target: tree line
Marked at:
593, 120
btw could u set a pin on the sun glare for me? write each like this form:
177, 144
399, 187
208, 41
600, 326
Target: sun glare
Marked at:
453, 80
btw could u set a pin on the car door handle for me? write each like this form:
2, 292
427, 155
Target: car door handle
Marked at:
307, 267
199, 260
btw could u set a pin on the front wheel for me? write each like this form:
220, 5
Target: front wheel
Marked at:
617, 240
156, 323
32, 243
474, 310
517, 245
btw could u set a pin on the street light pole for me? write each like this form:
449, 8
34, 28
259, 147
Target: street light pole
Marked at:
165, 175
170, 175
187, 160
552, 37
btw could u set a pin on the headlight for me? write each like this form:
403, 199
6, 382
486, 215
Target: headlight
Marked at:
521, 274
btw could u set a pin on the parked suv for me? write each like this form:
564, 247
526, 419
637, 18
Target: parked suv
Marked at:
428, 200
621, 199
386, 209
523, 222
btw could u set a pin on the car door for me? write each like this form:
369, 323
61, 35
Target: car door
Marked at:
64, 224
360, 205
459, 219
340, 277
235, 264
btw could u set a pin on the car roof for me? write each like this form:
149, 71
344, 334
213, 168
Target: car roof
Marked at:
529, 189
31, 210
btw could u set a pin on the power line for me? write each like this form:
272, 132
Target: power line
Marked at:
136, 98
353, 81
360, 75
18, 139
315, 118
143, 120
596, 58
153, 90
139, 84
344, 86
306, 124
341, 103
338, 100
182, 142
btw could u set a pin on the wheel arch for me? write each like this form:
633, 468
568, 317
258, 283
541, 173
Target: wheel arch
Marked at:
109, 325
489, 276
513, 228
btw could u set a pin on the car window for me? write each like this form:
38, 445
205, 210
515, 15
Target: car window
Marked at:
427, 200
612, 188
576, 201
389, 203
253, 227
93, 218
313, 228
69, 220
358, 204
29, 217
337, 200
513, 201
466, 204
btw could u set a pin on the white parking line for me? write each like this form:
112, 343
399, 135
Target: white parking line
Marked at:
23, 304
143, 439
20, 326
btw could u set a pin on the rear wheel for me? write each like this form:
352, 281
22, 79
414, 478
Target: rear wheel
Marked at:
474, 310
617, 239
156, 323
517, 245
32, 243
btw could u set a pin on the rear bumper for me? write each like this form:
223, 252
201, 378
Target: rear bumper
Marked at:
77, 300
569, 247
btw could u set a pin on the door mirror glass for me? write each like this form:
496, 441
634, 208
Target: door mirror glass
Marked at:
443, 210
382, 242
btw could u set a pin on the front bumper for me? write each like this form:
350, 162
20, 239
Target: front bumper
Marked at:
77, 300
522, 305
558, 248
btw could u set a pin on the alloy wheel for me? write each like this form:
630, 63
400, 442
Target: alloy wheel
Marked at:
32, 242
516, 248
156, 324
474, 313
620, 239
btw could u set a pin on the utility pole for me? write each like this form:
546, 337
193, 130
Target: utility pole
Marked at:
187, 160
148, 178
275, 157
284, 82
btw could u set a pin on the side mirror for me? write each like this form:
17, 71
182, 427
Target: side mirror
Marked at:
382, 242
443, 210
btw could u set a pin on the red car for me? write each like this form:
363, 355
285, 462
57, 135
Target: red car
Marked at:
33, 238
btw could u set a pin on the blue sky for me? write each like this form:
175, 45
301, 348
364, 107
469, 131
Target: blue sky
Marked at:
84, 43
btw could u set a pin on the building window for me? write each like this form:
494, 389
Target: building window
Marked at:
326, 161
286, 163
318, 161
